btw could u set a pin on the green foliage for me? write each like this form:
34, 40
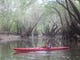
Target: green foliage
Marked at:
11, 14
18, 14
77, 4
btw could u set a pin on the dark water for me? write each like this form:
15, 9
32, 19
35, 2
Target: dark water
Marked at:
6, 53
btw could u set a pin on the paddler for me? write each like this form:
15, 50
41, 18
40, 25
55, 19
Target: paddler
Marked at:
47, 44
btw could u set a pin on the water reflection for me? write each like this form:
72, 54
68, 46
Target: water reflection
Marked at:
6, 53
42, 55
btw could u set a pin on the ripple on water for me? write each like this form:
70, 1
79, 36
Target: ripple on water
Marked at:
43, 55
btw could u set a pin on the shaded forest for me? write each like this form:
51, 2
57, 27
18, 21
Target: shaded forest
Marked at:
50, 18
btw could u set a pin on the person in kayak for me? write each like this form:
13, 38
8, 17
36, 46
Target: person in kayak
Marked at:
47, 44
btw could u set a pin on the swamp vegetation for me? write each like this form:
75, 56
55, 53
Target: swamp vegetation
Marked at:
29, 23
57, 19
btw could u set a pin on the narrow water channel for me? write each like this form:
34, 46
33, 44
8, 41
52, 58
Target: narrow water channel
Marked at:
6, 53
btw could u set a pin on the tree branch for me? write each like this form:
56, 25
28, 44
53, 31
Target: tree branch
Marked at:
68, 11
59, 15
75, 9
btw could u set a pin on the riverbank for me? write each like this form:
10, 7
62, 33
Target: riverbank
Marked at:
4, 38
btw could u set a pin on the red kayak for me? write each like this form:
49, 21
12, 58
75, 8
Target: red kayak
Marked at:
39, 49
